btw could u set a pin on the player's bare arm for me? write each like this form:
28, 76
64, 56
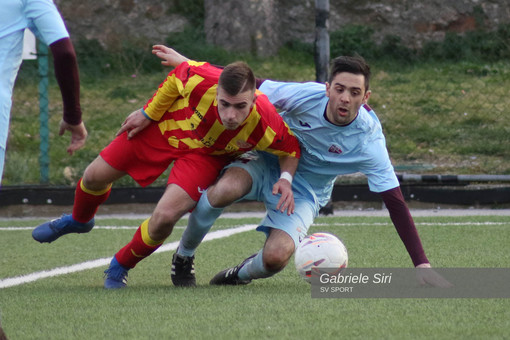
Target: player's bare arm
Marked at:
169, 56
134, 123
288, 166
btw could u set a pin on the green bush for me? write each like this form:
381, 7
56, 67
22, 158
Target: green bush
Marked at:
479, 45
351, 40
192, 42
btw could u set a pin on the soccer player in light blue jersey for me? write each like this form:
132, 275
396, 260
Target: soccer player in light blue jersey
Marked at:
43, 19
339, 134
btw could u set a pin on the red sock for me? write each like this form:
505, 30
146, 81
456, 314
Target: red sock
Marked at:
87, 201
139, 248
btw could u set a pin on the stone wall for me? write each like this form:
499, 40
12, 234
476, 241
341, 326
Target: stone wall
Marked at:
262, 26
418, 21
413, 21
113, 22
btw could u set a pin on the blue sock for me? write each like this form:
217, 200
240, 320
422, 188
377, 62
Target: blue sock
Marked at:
254, 269
200, 222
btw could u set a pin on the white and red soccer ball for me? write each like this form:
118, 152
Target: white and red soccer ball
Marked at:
321, 250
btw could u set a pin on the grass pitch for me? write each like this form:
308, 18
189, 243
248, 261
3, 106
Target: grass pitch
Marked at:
75, 305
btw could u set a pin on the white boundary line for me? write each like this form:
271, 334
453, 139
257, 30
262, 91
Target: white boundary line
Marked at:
337, 213
340, 224
106, 227
19, 280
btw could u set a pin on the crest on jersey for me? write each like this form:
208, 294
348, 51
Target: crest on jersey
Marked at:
335, 149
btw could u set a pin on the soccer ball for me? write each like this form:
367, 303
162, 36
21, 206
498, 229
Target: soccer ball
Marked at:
322, 250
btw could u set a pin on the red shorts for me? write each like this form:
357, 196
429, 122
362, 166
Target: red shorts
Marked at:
147, 155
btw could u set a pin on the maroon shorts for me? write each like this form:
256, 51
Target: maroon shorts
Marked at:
147, 155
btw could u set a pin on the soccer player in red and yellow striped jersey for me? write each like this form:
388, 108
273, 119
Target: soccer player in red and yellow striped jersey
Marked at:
186, 107
199, 119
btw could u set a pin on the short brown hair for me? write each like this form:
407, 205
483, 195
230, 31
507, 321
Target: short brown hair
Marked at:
355, 65
236, 78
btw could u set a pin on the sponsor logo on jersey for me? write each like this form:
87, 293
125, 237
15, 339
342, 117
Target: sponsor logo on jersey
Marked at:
305, 124
200, 115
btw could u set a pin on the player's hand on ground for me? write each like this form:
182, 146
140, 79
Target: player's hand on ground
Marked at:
134, 123
169, 56
78, 135
286, 202
428, 276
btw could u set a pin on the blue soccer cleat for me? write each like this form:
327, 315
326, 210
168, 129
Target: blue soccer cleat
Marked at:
116, 275
50, 231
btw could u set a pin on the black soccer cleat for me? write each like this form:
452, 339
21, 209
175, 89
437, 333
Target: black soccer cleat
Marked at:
183, 271
229, 276
328, 209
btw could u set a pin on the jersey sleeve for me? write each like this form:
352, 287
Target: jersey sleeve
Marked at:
286, 96
45, 21
284, 143
378, 168
168, 92
171, 89
277, 138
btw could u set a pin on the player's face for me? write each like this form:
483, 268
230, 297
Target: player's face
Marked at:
346, 94
233, 110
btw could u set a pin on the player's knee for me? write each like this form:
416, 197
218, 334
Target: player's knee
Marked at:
93, 178
218, 196
223, 194
162, 218
275, 259
89, 179
162, 223
232, 185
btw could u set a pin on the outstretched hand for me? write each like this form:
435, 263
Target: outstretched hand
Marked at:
286, 202
78, 135
169, 56
427, 276
134, 123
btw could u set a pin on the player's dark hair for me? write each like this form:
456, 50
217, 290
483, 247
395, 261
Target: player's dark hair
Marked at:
236, 78
355, 65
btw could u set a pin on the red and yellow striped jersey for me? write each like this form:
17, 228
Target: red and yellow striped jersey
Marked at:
186, 110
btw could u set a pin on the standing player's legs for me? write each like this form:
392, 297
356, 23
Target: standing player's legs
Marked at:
232, 185
144, 157
271, 259
11, 47
284, 233
91, 191
190, 175
151, 234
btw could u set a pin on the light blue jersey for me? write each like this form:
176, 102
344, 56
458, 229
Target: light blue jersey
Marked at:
40, 16
328, 150
44, 20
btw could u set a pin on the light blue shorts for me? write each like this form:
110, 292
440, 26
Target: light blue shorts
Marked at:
2, 162
11, 47
264, 170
